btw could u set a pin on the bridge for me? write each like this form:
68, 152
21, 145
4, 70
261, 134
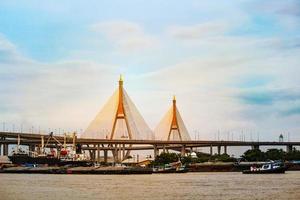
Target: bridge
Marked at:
96, 146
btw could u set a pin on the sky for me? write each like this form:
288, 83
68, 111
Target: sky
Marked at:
233, 65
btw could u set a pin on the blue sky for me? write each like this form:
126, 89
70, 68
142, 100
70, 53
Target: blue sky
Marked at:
234, 66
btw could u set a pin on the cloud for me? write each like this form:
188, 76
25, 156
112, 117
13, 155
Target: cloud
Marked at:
251, 82
8, 51
288, 7
49, 94
269, 96
197, 31
292, 111
223, 79
286, 12
126, 36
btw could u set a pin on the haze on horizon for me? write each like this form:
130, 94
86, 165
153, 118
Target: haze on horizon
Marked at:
233, 66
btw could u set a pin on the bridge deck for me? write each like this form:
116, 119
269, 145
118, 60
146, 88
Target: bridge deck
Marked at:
29, 138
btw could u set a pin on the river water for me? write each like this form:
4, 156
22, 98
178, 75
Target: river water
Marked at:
156, 186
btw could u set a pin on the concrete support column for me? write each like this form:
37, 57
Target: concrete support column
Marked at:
119, 153
183, 150
225, 149
289, 148
95, 151
0, 149
219, 150
156, 151
211, 150
98, 153
116, 153
105, 156
5, 149
94, 155
123, 152
164, 148
255, 147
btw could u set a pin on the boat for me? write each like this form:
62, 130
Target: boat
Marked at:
169, 168
268, 168
24, 158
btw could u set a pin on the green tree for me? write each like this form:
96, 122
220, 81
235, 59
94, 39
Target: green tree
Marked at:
293, 155
187, 159
223, 158
254, 155
165, 158
275, 154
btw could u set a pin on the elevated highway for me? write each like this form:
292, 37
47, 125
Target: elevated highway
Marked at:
92, 145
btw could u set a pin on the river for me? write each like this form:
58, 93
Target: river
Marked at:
202, 186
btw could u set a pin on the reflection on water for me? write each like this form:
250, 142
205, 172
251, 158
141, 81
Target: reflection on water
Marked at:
154, 187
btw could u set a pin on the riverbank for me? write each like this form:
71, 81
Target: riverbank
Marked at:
76, 170
233, 167
197, 167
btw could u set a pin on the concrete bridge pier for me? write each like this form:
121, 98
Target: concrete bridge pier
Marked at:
289, 148
219, 150
92, 155
225, 149
123, 152
5, 149
119, 150
115, 154
255, 147
211, 150
183, 150
0, 149
98, 153
105, 156
156, 151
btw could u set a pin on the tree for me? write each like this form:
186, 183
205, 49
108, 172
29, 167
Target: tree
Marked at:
165, 158
202, 157
275, 154
223, 158
254, 155
293, 155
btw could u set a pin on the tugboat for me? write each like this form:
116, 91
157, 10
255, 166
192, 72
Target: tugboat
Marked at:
268, 168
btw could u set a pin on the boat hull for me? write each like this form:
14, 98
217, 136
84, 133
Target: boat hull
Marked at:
279, 170
26, 159
168, 171
21, 159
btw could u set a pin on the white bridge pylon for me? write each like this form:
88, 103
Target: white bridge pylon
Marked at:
172, 127
119, 119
